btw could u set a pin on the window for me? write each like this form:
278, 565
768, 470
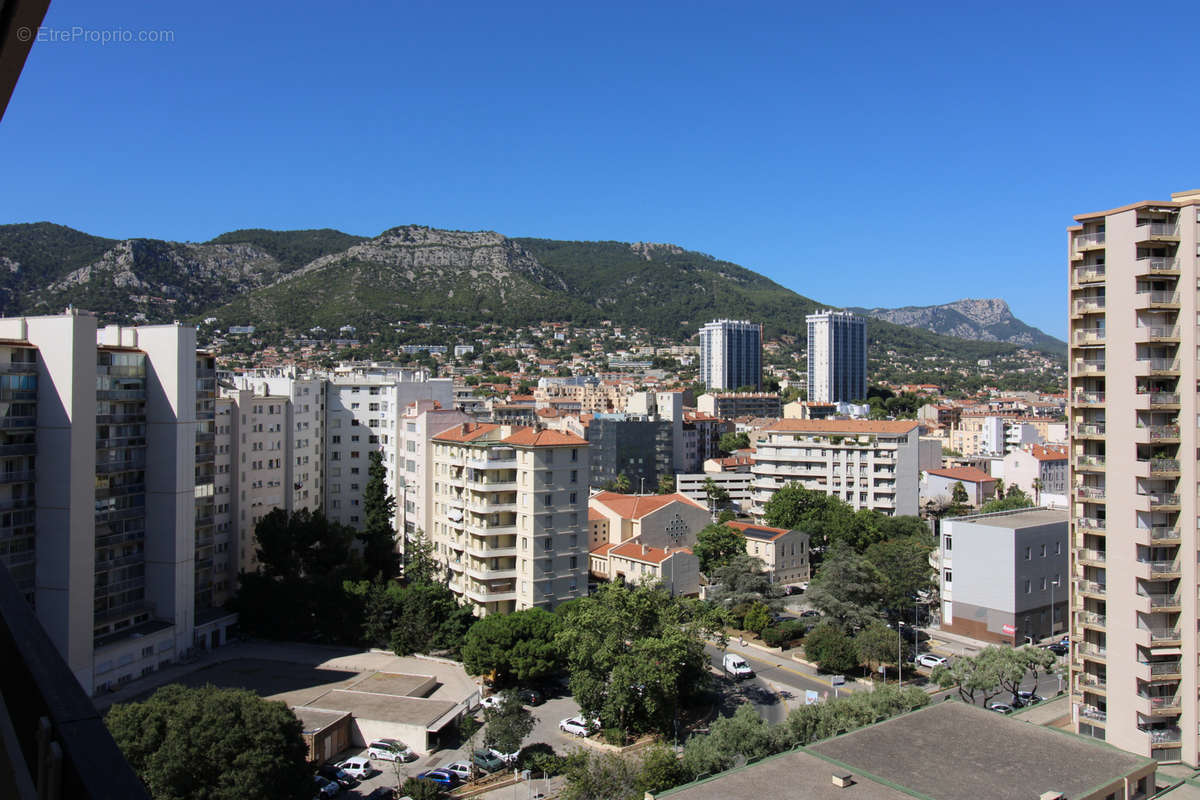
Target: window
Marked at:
1043, 551
1058, 548
548, 544
574, 476
948, 576
573, 497
1043, 583
574, 454
547, 500
574, 562
947, 542
335, 439
1028, 553
1028, 586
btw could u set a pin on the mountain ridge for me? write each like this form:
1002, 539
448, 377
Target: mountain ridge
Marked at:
293, 280
977, 319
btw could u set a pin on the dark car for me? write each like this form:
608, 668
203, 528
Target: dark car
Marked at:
808, 612
1059, 648
486, 761
338, 776
440, 777
531, 697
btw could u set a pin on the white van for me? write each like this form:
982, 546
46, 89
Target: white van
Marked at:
736, 667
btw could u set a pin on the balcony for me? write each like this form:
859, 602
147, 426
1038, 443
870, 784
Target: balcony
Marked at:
1089, 429
1084, 367
1162, 602
1088, 305
1164, 736
1162, 500
1089, 273
1092, 713
1156, 299
1156, 366
1091, 493
1089, 241
1093, 683
1156, 433
1091, 524
1088, 399
1157, 399
1089, 336
1094, 556
1156, 333
1092, 619
1164, 466
1162, 636
18, 422
1164, 534
1162, 570
1157, 705
1157, 265
1156, 232
1089, 462
1091, 588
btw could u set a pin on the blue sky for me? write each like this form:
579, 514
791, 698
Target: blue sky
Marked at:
859, 153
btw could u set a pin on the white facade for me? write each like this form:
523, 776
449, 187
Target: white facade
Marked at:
868, 464
731, 354
837, 357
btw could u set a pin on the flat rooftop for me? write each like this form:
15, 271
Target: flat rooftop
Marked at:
385, 708
954, 751
314, 720
395, 684
1016, 520
794, 774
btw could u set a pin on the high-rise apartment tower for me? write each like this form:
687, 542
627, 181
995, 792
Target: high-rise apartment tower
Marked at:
837, 357
731, 354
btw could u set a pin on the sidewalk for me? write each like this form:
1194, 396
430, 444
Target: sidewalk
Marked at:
955, 644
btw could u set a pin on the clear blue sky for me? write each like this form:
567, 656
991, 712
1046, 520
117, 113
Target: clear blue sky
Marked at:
861, 154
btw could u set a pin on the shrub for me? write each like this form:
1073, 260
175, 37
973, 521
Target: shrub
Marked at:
773, 637
614, 736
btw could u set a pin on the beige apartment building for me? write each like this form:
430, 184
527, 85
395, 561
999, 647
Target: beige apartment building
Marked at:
510, 515
1133, 478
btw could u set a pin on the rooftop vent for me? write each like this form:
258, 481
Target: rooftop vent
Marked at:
842, 780
1052, 796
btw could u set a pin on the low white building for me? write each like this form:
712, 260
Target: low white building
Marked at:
693, 486
784, 553
1042, 463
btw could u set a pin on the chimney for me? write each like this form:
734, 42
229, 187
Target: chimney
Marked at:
466, 428
842, 780
645, 549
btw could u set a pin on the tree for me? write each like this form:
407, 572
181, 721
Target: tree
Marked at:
716, 545
742, 579
981, 674
1013, 500
660, 771
1037, 491
378, 534
958, 494
506, 725
717, 496
420, 566
878, 644
832, 649
299, 544
600, 776
513, 647
429, 618
666, 484
634, 654
758, 617
729, 442
904, 568
999, 489
622, 484
422, 789
212, 743
847, 588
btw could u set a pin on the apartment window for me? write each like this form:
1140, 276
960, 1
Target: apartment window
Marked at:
574, 476
354, 405
574, 454
947, 542
1028, 586
573, 497
1028, 554
547, 500
335, 439
1043, 555
355, 454
947, 576
354, 438
548, 544
1058, 548
574, 562
549, 456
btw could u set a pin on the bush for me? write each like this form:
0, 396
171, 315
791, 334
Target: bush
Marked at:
772, 637
794, 629
613, 736
831, 648
540, 758
736, 616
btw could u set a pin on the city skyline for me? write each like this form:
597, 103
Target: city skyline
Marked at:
530, 124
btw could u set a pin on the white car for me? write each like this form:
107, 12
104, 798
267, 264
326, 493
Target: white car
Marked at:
575, 726
491, 701
358, 767
931, 661
1001, 708
460, 768
390, 750
507, 758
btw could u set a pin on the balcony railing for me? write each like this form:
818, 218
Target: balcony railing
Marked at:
1164, 465
1162, 567
1091, 681
1092, 618
1157, 229
1089, 336
1090, 397
1088, 367
1089, 461
1088, 554
1159, 702
1158, 500
1090, 429
1162, 600
1164, 533
1093, 713
1166, 668
1091, 587
1082, 306
1159, 332
1163, 634
1091, 523
1158, 264
1089, 239
1162, 431
1090, 492
1089, 273
1162, 297
1089, 649
1158, 364
1165, 735
1162, 398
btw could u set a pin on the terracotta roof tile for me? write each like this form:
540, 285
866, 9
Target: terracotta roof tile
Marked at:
529, 437
965, 474
645, 553
632, 506
466, 432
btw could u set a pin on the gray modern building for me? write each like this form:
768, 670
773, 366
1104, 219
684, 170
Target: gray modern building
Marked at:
731, 354
641, 448
1004, 577
837, 357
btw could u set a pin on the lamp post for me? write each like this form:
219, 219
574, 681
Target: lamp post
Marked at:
1053, 584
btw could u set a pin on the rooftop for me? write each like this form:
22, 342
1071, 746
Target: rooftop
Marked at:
965, 474
752, 531
845, 426
984, 755
644, 552
636, 506
1017, 519
382, 707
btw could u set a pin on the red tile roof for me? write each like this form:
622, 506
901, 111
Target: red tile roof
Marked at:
1049, 452
645, 553
744, 526
530, 437
466, 432
595, 516
602, 549
635, 506
964, 474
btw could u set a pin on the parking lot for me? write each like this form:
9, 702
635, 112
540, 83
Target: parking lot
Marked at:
546, 718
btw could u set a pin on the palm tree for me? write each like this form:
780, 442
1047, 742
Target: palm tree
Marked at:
1037, 491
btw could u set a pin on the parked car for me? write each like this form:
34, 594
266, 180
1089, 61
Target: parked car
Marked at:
440, 777
326, 787
930, 660
736, 667
358, 767
1000, 708
531, 697
1029, 698
390, 750
338, 775
486, 761
1059, 648
491, 701
460, 768
810, 612
575, 726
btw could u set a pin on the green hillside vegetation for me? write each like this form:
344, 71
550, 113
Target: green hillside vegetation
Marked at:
292, 249
45, 253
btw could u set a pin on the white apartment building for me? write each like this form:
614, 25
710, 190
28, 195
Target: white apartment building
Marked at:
868, 464
419, 422
837, 357
510, 515
731, 354
362, 412
99, 490
1134, 477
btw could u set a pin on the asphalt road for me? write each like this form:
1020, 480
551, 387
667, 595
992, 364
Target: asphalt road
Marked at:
778, 683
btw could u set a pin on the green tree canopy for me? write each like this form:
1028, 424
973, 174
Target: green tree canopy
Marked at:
832, 648
621, 484
847, 588
729, 442
716, 545
878, 644
717, 495
204, 743
742, 579
378, 534
904, 569
1016, 498
300, 543
507, 724
666, 484
515, 647
633, 655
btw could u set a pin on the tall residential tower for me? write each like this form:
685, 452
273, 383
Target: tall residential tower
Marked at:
1133, 381
837, 357
731, 354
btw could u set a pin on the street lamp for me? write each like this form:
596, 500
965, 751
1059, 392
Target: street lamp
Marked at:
1053, 584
